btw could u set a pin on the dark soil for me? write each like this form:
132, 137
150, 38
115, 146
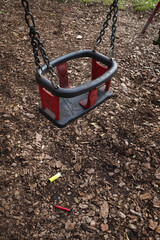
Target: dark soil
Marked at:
109, 159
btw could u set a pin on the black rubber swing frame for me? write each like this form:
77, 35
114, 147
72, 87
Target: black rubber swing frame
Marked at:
71, 96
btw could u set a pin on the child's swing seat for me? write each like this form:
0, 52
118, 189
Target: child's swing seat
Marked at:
63, 105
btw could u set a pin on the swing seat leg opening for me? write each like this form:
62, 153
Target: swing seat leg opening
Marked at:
97, 71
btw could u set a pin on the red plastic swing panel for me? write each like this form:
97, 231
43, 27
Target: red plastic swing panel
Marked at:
50, 101
63, 75
97, 71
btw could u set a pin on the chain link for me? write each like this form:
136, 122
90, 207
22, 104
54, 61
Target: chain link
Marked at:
37, 44
113, 11
114, 27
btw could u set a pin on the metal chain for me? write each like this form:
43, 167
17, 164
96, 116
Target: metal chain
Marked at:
114, 27
37, 44
113, 11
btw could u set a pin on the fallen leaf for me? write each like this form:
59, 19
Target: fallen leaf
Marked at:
157, 173
156, 202
38, 137
145, 196
77, 167
58, 164
104, 227
152, 224
88, 228
81, 193
76, 200
104, 210
158, 229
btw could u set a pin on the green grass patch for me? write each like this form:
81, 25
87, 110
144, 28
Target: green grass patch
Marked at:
142, 5
122, 4
139, 5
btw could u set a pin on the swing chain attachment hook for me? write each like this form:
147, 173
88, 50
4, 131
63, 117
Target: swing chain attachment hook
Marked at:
37, 44
113, 11
53, 83
111, 52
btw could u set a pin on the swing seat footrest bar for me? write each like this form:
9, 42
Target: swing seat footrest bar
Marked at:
71, 109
